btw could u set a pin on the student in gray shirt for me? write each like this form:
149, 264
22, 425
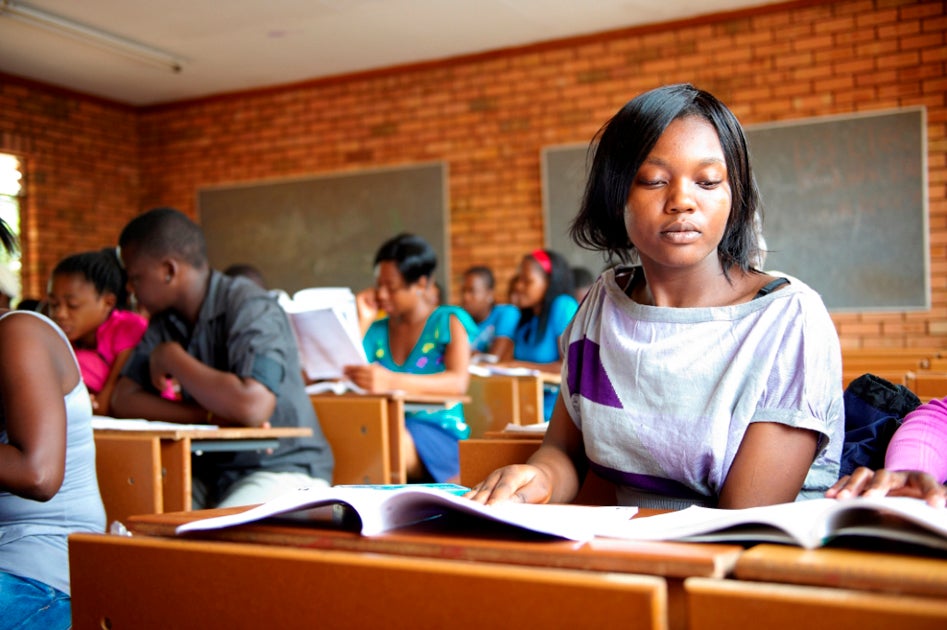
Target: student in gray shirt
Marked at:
230, 349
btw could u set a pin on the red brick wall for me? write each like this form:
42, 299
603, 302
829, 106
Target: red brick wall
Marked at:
80, 158
489, 115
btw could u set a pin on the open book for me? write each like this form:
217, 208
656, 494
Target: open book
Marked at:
381, 509
325, 323
808, 524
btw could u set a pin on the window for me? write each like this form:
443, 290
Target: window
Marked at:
10, 187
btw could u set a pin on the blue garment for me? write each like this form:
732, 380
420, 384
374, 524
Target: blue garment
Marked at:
29, 604
435, 432
529, 345
501, 322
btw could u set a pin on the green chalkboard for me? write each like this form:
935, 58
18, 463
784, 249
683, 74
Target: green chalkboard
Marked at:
325, 230
845, 205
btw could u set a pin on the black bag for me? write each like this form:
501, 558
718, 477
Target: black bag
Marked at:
874, 409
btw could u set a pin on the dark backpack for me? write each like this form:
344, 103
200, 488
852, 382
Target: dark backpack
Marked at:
874, 409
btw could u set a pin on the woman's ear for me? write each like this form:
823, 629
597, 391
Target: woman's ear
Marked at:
109, 299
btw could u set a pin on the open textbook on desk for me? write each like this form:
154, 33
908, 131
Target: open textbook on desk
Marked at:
808, 524
381, 509
325, 323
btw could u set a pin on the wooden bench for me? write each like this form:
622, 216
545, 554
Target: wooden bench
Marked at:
728, 604
927, 384
150, 583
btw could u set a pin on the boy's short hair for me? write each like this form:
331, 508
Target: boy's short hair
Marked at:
163, 232
484, 272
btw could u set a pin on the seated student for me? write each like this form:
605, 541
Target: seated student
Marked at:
230, 348
418, 348
694, 378
915, 461
48, 486
89, 300
495, 322
544, 294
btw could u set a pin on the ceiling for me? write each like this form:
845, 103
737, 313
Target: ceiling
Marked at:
245, 44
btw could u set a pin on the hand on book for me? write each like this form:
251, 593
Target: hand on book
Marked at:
521, 483
897, 483
373, 378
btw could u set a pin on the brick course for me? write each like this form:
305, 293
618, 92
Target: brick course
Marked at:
93, 164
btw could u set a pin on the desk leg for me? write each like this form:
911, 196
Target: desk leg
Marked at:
129, 474
176, 474
399, 473
530, 397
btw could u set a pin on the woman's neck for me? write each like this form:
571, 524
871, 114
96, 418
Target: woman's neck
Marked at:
694, 288
417, 315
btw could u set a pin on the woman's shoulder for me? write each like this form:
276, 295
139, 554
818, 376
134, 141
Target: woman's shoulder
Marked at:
125, 320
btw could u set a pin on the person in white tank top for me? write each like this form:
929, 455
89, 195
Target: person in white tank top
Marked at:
48, 485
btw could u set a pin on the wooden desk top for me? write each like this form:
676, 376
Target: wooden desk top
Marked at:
431, 399
678, 560
220, 433
845, 568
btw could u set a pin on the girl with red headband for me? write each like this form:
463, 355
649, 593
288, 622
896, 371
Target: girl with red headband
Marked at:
544, 292
691, 377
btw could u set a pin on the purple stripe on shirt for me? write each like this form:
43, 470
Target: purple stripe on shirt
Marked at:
587, 377
647, 483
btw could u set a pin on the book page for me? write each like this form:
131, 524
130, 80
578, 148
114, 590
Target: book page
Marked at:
808, 524
793, 523
901, 519
325, 323
140, 424
387, 509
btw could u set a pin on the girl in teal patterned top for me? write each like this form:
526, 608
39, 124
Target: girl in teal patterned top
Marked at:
418, 348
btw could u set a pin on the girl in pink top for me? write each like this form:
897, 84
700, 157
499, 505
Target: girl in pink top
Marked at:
915, 461
88, 300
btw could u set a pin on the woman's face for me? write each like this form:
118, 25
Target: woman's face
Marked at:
680, 200
531, 284
393, 294
77, 308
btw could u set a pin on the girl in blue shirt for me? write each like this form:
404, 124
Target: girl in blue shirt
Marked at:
544, 290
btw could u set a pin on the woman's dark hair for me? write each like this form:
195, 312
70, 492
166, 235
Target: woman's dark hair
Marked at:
7, 238
413, 256
625, 141
102, 269
559, 279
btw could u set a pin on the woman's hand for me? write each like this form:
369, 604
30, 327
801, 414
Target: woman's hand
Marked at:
897, 483
373, 378
523, 483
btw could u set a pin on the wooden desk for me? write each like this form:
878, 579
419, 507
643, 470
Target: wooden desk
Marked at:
365, 432
499, 399
832, 589
673, 562
149, 471
145, 583
845, 568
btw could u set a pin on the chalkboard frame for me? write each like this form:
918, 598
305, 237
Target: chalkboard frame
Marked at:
324, 229
860, 284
